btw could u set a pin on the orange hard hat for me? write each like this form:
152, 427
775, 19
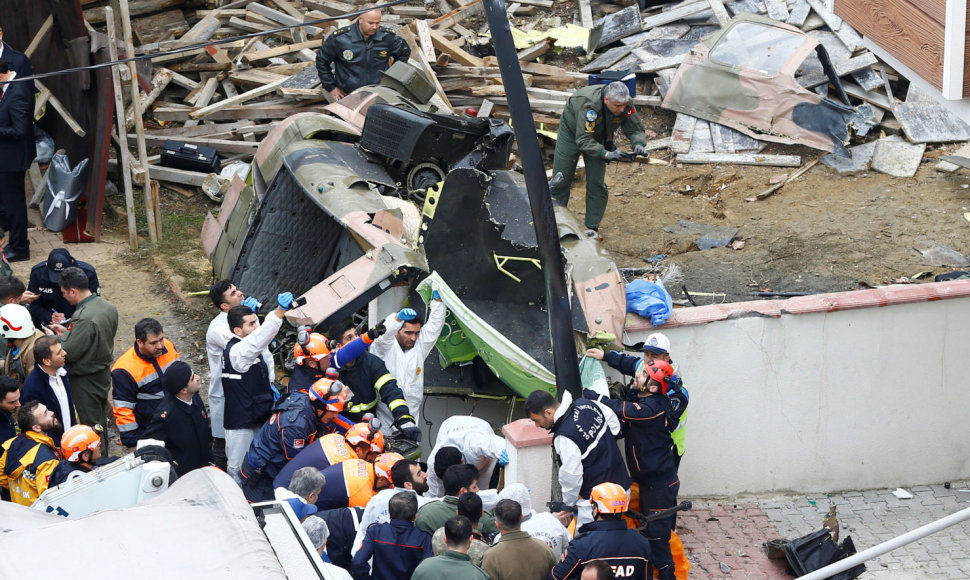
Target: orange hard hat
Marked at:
364, 432
332, 394
384, 463
77, 440
609, 498
313, 346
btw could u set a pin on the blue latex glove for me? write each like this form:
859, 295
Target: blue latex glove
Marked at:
435, 295
284, 300
407, 314
503, 459
251, 303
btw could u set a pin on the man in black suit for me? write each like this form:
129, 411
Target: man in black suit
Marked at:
17, 152
18, 61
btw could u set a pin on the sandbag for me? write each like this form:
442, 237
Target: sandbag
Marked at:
649, 300
64, 188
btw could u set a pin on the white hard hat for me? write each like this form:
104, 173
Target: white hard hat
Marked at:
15, 322
657, 343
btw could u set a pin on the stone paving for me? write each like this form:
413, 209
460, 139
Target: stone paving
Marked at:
723, 539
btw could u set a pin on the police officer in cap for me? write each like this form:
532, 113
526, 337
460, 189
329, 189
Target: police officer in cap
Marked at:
44, 277
591, 117
356, 55
181, 420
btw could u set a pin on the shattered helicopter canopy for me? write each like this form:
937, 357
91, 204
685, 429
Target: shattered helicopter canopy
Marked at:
744, 77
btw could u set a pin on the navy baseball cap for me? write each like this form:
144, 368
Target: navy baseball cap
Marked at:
58, 259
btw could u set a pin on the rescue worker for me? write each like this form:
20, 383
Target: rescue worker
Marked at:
540, 525
296, 420
650, 454
51, 306
81, 449
607, 539
356, 55
224, 295
591, 117
314, 358
89, 341
406, 475
584, 437
181, 421
246, 379
352, 483
656, 347
371, 383
48, 383
9, 403
407, 344
478, 444
18, 331
396, 547
29, 459
137, 380
361, 441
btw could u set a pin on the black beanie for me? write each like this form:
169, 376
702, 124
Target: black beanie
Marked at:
177, 375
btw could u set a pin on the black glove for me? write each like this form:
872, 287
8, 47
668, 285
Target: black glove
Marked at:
591, 395
558, 506
410, 431
376, 332
615, 155
641, 150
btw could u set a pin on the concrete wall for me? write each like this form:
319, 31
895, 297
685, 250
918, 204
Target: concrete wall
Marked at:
843, 391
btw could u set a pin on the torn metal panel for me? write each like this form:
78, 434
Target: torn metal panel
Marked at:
620, 24
744, 78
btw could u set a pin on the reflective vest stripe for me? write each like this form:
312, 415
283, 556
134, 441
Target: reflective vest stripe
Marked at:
383, 380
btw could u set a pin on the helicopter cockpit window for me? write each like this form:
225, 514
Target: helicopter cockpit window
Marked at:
757, 47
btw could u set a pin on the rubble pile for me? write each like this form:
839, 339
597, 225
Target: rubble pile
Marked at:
227, 95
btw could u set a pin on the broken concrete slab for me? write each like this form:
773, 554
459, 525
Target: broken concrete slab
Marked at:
709, 236
670, 32
929, 122
947, 166
894, 156
860, 156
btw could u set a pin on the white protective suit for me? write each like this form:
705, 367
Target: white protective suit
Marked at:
571, 470
216, 338
408, 366
542, 526
477, 442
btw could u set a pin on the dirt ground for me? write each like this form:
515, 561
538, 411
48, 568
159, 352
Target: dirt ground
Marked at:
820, 233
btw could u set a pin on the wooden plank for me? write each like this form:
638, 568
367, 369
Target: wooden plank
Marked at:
904, 30
841, 69
741, 159
61, 109
289, 8
798, 13
701, 141
282, 18
247, 26
183, 81
585, 12
202, 67
222, 145
675, 14
682, 133
151, 210
40, 101
620, 25
252, 112
202, 31
258, 55
830, 19
458, 14
540, 3
423, 31
536, 50
607, 59
193, 178
161, 80
165, 59
247, 96
205, 93
453, 51
304, 79
135, 8
211, 130
410, 11
40, 35
330, 7
123, 153
774, 188
486, 108
720, 13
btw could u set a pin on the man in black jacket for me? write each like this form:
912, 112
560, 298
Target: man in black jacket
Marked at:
181, 420
17, 151
18, 60
51, 306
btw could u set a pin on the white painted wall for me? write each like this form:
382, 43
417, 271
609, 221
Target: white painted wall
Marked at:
870, 398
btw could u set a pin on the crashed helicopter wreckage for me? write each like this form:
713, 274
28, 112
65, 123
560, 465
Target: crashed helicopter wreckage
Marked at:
744, 77
383, 192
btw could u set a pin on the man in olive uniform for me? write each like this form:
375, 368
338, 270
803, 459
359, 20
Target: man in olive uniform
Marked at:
356, 55
591, 117
89, 341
